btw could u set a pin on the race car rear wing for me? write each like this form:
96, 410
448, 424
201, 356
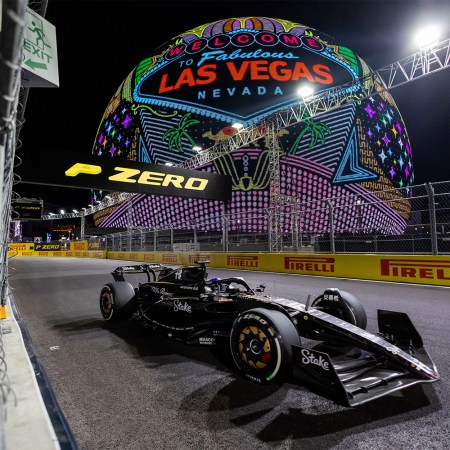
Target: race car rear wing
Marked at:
150, 270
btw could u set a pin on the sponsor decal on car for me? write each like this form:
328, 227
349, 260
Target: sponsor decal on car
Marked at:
310, 357
207, 341
182, 306
157, 290
220, 333
331, 297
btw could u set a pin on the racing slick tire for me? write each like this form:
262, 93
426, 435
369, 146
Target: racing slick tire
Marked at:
116, 301
347, 308
261, 345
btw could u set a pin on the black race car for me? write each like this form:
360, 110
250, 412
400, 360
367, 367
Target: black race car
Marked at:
323, 343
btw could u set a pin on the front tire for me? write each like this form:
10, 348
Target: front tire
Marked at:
116, 301
261, 345
343, 305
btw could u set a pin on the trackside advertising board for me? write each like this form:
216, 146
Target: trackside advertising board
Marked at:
86, 171
27, 209
432, 270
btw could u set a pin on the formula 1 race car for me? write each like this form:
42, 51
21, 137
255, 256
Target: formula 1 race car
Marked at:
323, 343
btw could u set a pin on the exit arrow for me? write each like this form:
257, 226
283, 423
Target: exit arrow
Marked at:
35, 65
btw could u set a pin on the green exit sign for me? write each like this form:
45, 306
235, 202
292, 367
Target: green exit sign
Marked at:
40, 57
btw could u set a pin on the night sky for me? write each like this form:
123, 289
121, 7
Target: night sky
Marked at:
100, 42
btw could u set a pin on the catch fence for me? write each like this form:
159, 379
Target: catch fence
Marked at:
419, 224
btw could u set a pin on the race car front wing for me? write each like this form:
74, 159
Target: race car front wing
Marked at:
365, 366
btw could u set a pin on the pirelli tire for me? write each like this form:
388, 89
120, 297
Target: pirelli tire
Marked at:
261, 343
347, 307
117, 301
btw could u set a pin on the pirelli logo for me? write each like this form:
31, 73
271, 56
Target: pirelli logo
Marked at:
309, 264
149, 257
17, 247
169, 258
243, 261
203, 257
420, 269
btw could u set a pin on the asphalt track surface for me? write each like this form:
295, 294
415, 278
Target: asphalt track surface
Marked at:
125, 388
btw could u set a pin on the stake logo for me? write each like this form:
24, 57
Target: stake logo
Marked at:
415, 269
243, 261
309, 264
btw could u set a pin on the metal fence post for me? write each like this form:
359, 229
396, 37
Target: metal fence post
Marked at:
331, 219
194, 227
130, 213
83, 224
432, 211
269, 228
224, 228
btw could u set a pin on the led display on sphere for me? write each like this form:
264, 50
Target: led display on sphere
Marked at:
193, 89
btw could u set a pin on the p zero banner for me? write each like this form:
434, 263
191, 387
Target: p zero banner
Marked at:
27, 209
80, 170
47, 247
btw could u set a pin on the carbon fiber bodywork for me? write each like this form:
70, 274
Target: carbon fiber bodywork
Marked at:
333, 353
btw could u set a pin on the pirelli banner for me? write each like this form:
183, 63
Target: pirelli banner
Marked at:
81, 170
433, 270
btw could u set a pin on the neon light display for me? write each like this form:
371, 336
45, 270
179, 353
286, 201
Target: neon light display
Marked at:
191, 91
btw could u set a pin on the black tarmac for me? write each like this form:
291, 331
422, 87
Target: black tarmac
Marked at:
122, 387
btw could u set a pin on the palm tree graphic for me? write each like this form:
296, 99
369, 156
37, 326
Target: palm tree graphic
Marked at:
175, 135
318, 131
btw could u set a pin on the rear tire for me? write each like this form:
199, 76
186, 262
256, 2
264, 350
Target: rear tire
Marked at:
261, 345
116, 301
